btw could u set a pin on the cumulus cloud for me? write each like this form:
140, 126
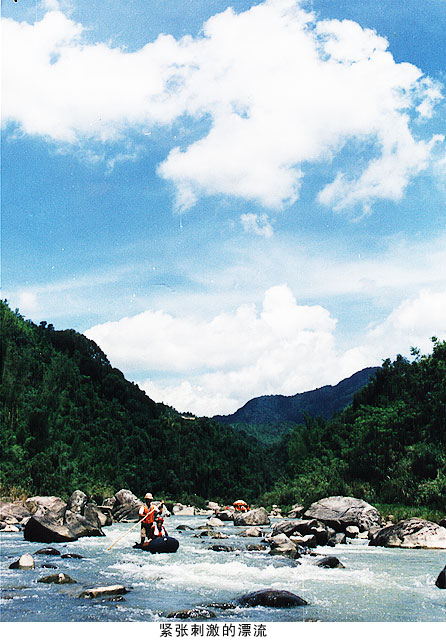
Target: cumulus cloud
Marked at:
215, 366
280, 89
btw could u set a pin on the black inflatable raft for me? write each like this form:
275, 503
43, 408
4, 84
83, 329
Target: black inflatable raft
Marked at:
159, 545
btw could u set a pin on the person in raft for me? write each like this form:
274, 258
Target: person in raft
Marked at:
148, 513
158, 528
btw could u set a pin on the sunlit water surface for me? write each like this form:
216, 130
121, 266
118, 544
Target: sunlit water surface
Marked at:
377, 584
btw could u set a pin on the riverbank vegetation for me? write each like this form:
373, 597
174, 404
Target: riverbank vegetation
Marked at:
70, 420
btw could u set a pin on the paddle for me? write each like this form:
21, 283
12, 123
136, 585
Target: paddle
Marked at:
125, 533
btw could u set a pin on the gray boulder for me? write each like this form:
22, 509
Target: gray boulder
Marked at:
79, 526
304, 540
282, 545
226, 515
259, 516
352, 531
109, 590
53, 506
441, 579
214, 521
329, 562
98, 515
341, 511
11, 513
77, 502
411, 533
296, 511
126, 506
271, 599
252, 531
44, 529
48, 551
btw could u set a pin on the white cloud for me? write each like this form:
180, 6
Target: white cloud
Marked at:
281, 89
257, 224
215, 366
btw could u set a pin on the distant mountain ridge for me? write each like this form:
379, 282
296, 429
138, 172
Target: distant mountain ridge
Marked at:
324, 401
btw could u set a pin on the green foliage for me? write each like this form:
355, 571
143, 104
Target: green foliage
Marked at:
70, 420
388, 446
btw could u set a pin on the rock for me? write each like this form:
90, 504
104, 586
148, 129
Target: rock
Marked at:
296, 511
10, 528
57, 578
44, 529
227, 514
126, 506
258, 516
77, 502
109, 502
281, 544
49, 551
80, 526
219, 535
53, 506
339, 539
184, 527
411, 533
49, 566
215, 522
213, 506
26, 562
329, 562
93, 593
352, 531
193, 613
252, 531
99, 517
271, 599
305, 540
342, 511
13, 512
221, 548
297, 525
442, 522
205, 527
71, 555
441, 579
256, 547
183, 510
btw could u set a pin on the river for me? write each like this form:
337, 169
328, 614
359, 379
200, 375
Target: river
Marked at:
377, 584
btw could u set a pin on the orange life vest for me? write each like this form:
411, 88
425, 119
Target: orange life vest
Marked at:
148, 513
158, 531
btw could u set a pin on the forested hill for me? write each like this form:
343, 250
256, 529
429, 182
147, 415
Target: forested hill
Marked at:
388, 446
271, 416
70, 420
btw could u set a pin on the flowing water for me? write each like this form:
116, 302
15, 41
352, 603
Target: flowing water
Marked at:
377, 584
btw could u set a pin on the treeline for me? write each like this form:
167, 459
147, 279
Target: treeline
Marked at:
388, 446
70, 420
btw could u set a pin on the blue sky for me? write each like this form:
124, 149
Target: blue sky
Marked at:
232, 199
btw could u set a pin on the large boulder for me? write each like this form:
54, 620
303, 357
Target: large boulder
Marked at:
341, 511
99, 515
13, 512
411, 533
57, 578
126, 506
226, 515
79, 526
259, 516
44, 529
271, 599
51, 506
183, 510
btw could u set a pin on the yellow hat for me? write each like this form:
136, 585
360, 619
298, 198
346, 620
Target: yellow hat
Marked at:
148, 496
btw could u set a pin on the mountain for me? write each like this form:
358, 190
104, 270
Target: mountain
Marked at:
69, 420
273, 414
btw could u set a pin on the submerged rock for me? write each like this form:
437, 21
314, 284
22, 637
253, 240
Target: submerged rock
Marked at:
219, 535
221, 548
184, 527
441, 579
49, 551
271, 599
256, 547
71, 555
193, 613
329, 562
109, 590
26, 562
49, 566
411, 533
57, 578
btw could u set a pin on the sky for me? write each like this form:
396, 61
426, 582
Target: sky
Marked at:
231, 198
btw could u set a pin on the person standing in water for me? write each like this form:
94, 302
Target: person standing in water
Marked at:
148, 513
